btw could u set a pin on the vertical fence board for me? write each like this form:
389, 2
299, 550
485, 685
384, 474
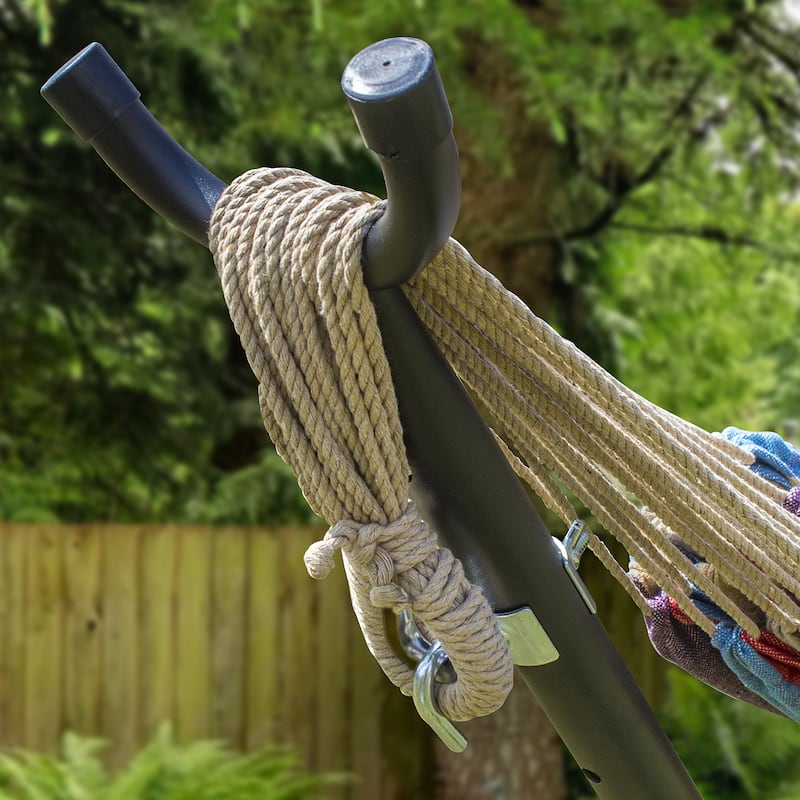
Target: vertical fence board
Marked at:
367, 684
119, 690
192, 673
337, 632
298, 654
229, 572
82, 629
156, 576
14, 634
5, 654
44, 601
262, 681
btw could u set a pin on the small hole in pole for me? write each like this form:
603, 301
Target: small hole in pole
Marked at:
387, 63
592, 776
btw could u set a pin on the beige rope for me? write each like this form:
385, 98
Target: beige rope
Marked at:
564, 416
288, 250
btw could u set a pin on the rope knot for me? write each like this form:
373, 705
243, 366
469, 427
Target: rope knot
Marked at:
319, 557
379, 549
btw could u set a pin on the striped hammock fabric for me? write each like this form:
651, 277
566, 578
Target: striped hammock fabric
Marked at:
762, 670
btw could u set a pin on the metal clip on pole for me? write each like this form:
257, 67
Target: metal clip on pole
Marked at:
462, 482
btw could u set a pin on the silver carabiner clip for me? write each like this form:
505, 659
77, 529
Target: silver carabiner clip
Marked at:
425, 701
433, 666
529, 643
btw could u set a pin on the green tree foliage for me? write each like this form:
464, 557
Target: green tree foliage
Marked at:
732, 750
705, 329
124, 394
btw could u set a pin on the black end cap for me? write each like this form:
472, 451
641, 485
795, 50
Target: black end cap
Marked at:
397, 97
90, 91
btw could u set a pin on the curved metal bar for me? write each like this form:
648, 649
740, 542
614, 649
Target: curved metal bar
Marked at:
96, 99
397, 98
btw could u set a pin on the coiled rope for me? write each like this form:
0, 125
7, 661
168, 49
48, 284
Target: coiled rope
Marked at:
288, 251
287, 247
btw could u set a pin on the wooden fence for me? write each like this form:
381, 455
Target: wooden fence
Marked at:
110, 630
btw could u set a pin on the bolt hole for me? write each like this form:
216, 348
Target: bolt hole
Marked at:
387, 63
592, 776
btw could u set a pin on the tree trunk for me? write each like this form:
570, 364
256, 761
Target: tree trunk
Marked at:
512, 755
507, 221
504, 206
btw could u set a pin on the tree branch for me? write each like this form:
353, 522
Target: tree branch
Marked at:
615, 202
651, 170
789, 62
708, 233
681, 109
787, 35
684, 106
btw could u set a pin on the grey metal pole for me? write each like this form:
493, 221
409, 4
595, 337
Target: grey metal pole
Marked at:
460, 478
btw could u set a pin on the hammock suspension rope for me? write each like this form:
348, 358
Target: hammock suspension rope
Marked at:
287, 247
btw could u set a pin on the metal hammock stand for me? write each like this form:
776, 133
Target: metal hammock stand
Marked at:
461, 480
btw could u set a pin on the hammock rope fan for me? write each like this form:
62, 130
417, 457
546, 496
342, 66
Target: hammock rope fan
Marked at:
349, 310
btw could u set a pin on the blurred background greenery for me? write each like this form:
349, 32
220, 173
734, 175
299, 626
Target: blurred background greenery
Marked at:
631, 170
644, 155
